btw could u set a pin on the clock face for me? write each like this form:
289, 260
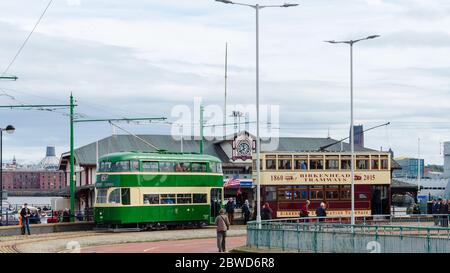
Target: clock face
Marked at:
244, 148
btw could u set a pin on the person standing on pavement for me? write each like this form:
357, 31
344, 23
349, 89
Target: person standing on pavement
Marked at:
223, 224
229, 207
304, 211
266, 212
443, 210
25, 214
246, 211
435, 210
321, 212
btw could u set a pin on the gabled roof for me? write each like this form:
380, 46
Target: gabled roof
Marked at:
86, 155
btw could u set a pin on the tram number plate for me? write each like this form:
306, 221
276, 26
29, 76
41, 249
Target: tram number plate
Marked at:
277, 177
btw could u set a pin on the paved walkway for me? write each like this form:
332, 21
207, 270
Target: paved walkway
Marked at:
60, 242
208, 245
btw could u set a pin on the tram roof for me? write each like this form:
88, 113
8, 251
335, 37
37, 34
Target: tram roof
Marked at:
86, 155
158, 156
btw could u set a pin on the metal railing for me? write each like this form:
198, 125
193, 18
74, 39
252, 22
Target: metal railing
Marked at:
295, 235
8, 218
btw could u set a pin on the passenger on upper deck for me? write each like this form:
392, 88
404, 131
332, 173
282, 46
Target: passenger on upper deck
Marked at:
181, 168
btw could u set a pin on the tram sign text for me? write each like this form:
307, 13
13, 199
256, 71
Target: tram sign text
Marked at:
324, 178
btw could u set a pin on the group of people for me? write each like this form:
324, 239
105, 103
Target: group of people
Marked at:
441, 208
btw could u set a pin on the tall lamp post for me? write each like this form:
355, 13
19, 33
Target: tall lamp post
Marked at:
9, 129
352, 141
257, 7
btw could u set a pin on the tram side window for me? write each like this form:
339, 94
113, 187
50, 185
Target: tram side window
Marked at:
345, 192
260, 164
384, 163
271, 163
134, 166
125, 193
316, 163
285, 193
150, 166
301, 163
120, 166
346, 164
199, 198
332, 163
271, 193
151, 199
375, 163
167, 199
166, 166
114, 197
300, 192
185, 198
101, 196
182, 167
332, 192
362, 163
198, 167
316, 192
284, 162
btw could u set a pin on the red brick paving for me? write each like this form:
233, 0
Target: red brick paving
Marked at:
207, 245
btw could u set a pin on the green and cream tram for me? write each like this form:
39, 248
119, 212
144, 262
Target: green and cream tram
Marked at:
147, 190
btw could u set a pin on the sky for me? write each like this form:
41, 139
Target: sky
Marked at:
149, 58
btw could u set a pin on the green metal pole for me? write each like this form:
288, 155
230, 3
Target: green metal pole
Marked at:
201, 129
72, 164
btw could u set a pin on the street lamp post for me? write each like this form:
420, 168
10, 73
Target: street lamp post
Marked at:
9, 129
257, 7
352, 136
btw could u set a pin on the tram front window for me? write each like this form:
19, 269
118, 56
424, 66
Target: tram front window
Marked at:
114, 197
101, 196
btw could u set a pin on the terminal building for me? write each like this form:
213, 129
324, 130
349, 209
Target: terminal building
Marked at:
235, 152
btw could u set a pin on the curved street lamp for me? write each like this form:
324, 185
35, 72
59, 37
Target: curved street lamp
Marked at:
352, 141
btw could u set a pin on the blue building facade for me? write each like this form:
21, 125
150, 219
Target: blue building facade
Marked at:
409, 168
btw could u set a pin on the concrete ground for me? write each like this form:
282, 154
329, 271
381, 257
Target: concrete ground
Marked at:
77, 241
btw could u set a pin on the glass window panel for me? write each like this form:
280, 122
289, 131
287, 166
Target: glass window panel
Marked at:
198, 167
167, 198
166, 166
384, 163
125, 193
114, 197
346, 163
316, 163
120, 166
182, 167
101, 196
199, 198
375, 164
271, 163
151, 199
345, 192
150, 166
332, 164
271, 193
185, 198
316, 193
134, 166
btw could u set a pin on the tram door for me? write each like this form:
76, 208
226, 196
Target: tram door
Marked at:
216, 202
380, 200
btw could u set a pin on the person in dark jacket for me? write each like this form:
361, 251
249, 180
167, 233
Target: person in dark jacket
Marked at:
266, 212
246, 211
229, 207
321, 211
435, 210
25, 213
443, 210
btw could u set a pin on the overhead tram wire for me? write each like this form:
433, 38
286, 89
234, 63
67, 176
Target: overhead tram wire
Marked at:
27, 38
141, 139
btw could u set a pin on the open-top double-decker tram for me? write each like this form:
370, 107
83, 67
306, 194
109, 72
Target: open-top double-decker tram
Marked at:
289, 179
160, 189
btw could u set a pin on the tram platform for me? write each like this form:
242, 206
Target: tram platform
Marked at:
47, 228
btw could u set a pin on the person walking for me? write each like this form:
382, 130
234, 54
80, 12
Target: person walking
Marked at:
25, 214
229, 207
435, 210
266, 212
443, 211
321, 212
246, 211
223, 224
304, 211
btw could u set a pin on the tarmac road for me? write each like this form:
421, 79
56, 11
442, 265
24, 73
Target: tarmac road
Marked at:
207, 245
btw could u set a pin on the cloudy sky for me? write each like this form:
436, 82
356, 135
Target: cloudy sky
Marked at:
142, 58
